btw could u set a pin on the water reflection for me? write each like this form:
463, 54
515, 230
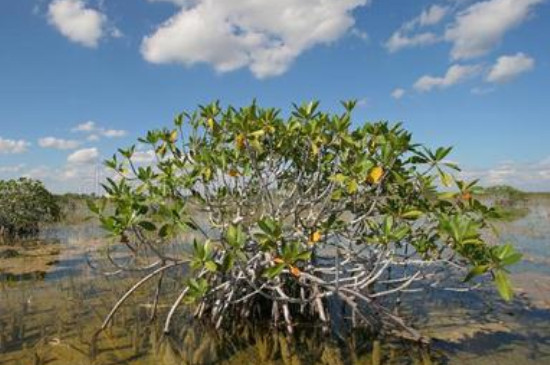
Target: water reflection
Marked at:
49, 316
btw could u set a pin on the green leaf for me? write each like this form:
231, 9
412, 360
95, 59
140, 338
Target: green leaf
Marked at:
339, 178
476, 271
235, 236
211, 266
388, 224
447, 195
165, 231
273, 271
446, 179
228, 262
503, 285
258, 133
304, 256
148, 226
352, 186
267, 225
412, 214
511, 259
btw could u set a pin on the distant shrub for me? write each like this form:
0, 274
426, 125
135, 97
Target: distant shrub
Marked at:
508, 202
24, 205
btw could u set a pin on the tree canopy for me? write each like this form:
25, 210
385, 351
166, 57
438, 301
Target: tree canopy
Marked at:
24, 205
294, 215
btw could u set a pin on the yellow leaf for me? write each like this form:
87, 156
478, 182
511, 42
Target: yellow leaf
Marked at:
375, 175
352, 186
446, 179
207, 173
210, 123
278, 260
315, 237
240, 141
173, 136
295, 271
233, 173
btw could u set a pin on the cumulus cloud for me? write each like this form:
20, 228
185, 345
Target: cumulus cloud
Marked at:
481, 27
81, 178
402, 38
264, 36
433, 15
88, 126
94, 131
398, 93
175, 2
58, 143
77, 22
143, 157
13, 146
430, 16
455, 74
113, 133
534, 176
84, 156
11, 169
509, 67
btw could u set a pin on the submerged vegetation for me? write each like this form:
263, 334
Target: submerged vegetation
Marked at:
304, 219
24, 205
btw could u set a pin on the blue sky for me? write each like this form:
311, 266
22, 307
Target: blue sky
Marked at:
80, 78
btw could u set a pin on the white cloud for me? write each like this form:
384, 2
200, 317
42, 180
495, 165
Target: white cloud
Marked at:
509, 67
78, 23
398, 93
364, 36
113, 133
81, 178
96, 131
58, 143
481, 26
84, 156
534, 176
400, 40
88, 126
13, 146
11, 169
175, 2
455, 74
433, 15
265, 36
147, 156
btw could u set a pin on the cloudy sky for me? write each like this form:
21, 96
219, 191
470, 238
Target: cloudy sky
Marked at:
79, 78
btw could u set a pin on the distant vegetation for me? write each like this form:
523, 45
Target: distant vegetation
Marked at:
505, 194
297, 216
24, 205
74, 208
509, 203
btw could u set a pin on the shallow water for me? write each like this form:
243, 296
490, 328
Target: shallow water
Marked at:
49, 316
